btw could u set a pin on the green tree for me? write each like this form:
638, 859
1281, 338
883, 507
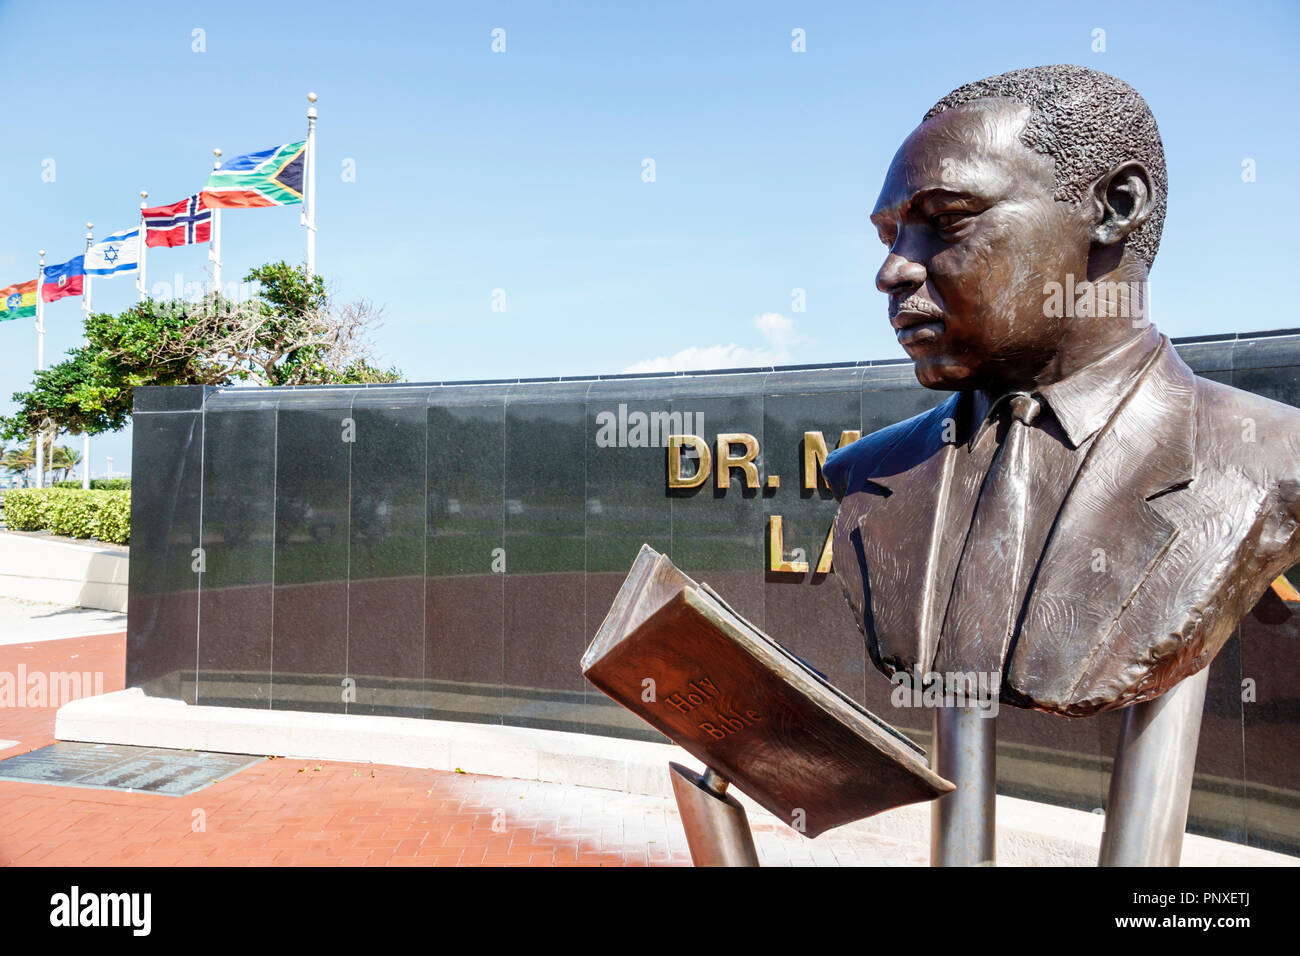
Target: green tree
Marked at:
20, 460
64, 459
290, 333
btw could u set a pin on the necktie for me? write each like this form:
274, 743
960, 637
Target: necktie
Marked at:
986, 595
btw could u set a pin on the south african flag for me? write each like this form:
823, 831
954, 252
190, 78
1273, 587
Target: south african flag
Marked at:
272, 177
18, 301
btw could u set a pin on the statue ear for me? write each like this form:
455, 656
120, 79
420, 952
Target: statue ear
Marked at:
1122, 199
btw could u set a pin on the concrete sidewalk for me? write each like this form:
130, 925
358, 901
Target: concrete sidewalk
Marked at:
28, 622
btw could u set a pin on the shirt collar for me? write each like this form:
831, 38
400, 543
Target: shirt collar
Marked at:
1084, 401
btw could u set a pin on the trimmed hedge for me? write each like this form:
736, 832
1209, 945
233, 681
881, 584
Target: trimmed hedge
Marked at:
99, 484
73, 513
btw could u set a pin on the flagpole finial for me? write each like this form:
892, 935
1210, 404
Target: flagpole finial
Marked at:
144, 194
311, 97
41, 253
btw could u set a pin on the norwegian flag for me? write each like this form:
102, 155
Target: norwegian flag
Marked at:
179, 224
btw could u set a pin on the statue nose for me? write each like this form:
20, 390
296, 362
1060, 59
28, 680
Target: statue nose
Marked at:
899, 275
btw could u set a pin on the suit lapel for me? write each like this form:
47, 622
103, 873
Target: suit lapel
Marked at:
1109, 535
896, 535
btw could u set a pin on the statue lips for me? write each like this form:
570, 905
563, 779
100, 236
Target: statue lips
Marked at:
916, 325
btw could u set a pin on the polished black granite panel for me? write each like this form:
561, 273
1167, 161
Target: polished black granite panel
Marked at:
1218, 805
312, 534
719, 533
177, 398
545, 555
1206, 358
465, 554
1269, 688
628, 423
1279, 384
1270, 704
1281, 352
803, 609
162, 596
881, 407
238, 540
1061, 760
626, 439
386, 629
884, 378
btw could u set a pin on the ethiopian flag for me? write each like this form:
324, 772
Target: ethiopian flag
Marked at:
18, 301
272, 177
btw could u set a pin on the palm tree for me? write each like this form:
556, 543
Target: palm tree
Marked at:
66, 459
20, 460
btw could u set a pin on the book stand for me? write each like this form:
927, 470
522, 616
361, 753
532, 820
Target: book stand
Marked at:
717, 829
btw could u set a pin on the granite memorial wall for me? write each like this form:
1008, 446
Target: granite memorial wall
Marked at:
448, 550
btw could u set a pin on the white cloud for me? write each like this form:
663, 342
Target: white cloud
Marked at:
777, 329
778, 334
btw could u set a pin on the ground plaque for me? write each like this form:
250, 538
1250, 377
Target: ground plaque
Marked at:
172, 773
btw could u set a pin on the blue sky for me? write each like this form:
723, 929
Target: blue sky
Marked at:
522, 171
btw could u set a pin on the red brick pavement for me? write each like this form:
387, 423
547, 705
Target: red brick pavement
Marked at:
33, 727
291, 812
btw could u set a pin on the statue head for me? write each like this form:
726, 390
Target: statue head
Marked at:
1018, 198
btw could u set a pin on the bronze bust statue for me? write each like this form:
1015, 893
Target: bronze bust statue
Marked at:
1084, 522
1084, 516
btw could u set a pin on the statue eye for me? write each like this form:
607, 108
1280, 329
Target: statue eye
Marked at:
946, 220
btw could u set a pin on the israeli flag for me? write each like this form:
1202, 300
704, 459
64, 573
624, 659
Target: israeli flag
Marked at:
120, 252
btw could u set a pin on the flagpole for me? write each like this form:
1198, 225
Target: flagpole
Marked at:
309, 207
140, 285
214, 244
85, 304
40, 314
40, 361
85, 286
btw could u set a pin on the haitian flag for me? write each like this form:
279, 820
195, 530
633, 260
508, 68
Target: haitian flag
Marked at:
18, 301
273, 177
179, 224
64, 280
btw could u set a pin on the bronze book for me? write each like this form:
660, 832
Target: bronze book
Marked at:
674, 653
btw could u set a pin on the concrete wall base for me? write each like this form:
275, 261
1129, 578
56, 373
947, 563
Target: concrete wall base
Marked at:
57, 571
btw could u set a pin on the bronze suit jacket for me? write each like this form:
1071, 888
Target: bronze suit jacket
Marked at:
1191, 491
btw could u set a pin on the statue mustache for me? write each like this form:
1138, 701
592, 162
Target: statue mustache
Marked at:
914, 304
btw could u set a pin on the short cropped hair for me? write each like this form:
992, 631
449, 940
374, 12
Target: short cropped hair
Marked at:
1086, 122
